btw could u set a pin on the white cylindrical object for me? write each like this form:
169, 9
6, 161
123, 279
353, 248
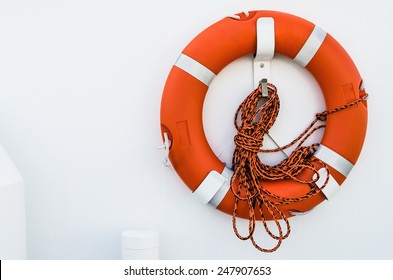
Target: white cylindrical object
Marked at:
139, 244
12, 210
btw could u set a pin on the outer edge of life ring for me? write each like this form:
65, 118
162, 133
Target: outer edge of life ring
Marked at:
231, 38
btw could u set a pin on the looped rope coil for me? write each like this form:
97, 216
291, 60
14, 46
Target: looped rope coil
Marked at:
253, 119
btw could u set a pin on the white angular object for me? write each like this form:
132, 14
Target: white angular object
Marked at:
332, 186
12, 210
139, 244
265, 51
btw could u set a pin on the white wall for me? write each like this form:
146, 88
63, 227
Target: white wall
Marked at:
80, 89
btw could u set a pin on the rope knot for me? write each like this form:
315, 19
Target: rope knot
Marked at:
322, 116
248, 142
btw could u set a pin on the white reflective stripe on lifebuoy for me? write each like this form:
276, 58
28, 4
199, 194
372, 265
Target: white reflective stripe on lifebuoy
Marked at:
265, 38
214, 187
332, 186
195, 69
265, 49
219, 196
333, 159
311, 46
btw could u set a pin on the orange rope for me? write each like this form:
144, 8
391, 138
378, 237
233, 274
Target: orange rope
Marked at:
252, 121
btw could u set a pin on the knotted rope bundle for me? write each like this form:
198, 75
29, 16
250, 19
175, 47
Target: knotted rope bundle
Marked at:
253, 120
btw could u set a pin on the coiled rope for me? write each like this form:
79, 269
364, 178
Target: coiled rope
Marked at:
253, 120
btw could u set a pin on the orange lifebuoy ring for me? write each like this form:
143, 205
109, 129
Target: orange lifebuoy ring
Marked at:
232, 38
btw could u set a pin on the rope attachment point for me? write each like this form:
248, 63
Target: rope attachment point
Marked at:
166, 146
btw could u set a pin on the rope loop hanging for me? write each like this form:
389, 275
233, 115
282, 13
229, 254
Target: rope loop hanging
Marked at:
253, 120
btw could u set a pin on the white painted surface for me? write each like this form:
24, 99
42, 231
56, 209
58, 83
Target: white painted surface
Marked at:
80, 89
12, 210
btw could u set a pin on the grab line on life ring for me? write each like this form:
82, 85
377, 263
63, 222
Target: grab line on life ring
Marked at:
232, 38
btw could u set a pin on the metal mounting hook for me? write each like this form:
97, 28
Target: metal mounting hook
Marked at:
263, 84
265, 36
